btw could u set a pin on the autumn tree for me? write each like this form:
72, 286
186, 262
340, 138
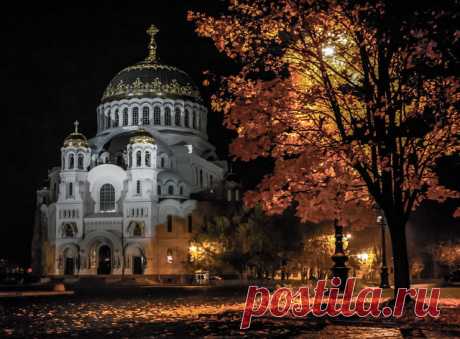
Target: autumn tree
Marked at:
250, 240
354, 100
447, 253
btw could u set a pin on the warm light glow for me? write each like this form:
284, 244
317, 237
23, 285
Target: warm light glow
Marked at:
363, 256
328, 51
348, 236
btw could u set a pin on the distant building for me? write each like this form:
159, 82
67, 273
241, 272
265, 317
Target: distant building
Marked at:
120, 203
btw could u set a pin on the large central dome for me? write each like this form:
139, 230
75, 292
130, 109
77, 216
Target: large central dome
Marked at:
149, 78
161, 99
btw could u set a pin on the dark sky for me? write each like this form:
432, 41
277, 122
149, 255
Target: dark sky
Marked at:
59, 61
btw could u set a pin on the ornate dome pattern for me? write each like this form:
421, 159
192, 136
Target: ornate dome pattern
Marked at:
149, 78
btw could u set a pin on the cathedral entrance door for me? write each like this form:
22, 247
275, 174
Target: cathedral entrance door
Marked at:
105, 260
137, 265
69, 266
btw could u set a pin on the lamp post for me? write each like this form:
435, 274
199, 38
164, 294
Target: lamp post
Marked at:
339, 258
384, 270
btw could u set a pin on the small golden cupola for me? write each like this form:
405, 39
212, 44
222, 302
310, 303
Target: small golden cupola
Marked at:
76, 139
141, 136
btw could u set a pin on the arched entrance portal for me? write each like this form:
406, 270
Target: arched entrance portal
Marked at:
105, 260
70, 257
138, 267
136, 259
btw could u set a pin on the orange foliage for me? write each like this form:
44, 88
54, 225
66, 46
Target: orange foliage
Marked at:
343, 107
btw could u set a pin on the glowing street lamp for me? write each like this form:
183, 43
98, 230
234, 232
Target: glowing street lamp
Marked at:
364, 256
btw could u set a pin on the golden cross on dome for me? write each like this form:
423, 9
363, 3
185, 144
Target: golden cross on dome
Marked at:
76, 123
152, 31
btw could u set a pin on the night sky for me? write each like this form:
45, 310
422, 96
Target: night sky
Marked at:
59, 61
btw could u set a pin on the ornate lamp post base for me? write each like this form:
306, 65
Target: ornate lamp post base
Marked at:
339, 258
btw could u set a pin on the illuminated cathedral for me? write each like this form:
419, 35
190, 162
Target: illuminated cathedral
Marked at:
124, 202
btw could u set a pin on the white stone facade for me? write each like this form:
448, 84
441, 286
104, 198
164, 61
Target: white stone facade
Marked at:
116, 206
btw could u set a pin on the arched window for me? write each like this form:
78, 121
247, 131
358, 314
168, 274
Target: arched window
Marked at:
115, 120
237, 194
148, 162
135, 116
171, 190
186, 117
107, 198
138, 159
181, 190
125, 116
162, 162
156, 115
158, 190
107, 120
70, 190
71, 161
211, 179
167, 116
194, 119
138, 187
137, 231
201, 178
130, 159
80, 161
177, 117
145, 115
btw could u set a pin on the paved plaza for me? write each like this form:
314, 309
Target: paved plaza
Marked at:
191, 315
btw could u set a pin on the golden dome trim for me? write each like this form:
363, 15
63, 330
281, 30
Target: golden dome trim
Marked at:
142, 136
139, 87
76, 139
147, 65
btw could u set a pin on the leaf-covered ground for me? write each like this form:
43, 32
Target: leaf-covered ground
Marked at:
195, 316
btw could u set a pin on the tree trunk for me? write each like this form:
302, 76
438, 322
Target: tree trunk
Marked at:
400, 259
